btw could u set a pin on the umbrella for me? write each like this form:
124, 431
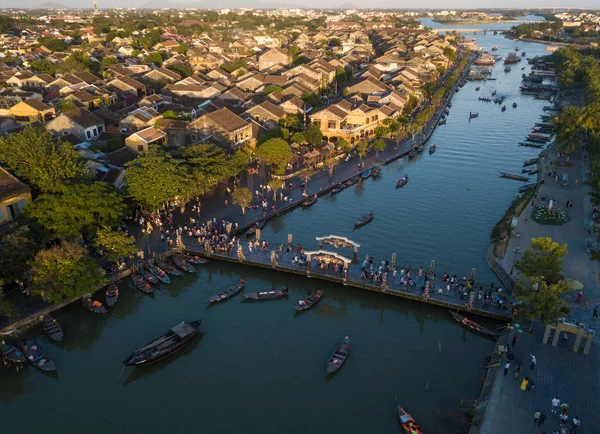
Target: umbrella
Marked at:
574, 285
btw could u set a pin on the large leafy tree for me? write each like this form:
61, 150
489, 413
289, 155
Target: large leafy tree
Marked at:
379, 145
40, 160
242, 197
544, 260
313, 134
541, 301
17, 249
65, 271
114, 244
155, 178
275, 152
211, 161
78, 209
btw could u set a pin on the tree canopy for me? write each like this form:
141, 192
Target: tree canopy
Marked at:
41, 160
242, 197
115, 245
275, 152
211, 161
541, 301
313, 135
65, 271
544, 260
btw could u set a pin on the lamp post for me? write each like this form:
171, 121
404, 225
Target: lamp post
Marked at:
516, 251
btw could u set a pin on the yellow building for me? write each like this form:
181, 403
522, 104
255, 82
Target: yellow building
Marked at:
32, 110
14, 196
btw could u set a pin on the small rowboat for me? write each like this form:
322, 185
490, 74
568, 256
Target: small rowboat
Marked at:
366, 174
526, 187
472, 325
310, 201
140, 283
11, 354
267, 295
147, 274
351, 181
473, 115
409, 425
35, 356
402, 181
376, 171
364, 220
159, 273
165, 345
442, 122
337, 189
52, 328
111, 295
309, 301
197, 260
228, 293
339, 356
170, 270
180, 263
420, 148
93, 305
531, 145
432, 149
514, 105
514, 177
503, 108
530, 162
412, 154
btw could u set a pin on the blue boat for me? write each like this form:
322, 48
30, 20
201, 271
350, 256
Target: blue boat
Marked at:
366, 174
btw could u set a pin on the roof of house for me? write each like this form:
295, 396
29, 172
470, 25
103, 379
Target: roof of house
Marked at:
226, 119
271, 108
10, 186
84, 117
37, 105
120, 157
150, 134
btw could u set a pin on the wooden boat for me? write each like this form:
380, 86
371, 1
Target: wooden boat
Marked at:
172, 341
351, 181
52, 328
531, 145
267, 295
472, 325
169, 269
339, 356
409, 425
526, 187
442, 122
503, 108
420, 148
530, 162
412, 154
432, 149
199, 260
514, 177
446, 112
140, 283
159, 273
111, 295
93, 305
514, 104
366, 174
337, 188
449, 105
309, 301
260, 225
473, 115
402, 181
180, 263
228, 293
34, 354
477, 89
147, 274
485, 99
375, 171
533, 171
367, 218
310, 201
11, 354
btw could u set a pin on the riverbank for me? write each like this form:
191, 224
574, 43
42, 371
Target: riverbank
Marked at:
474, 22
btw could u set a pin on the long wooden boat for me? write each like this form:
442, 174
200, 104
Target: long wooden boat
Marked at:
159, 273
526, 187
11, 354
111, 295
432, 149
472, 325
352, 181
402, 181
366, 174
148, 275
34, 354
337, 188
172, 341
339, 356
310, 201
473, 115
52, 328
531, 145
181, 263
514, 177
199, 260
367, 218
530, 162
228, 293
409, 425
309, 301
140, 283
442, 122
420, 148
267, 295
170, 270
93, 305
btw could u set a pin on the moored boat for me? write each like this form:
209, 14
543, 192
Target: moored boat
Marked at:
531, 145
432, 149
159, 273
503, 108
375, 171
337, 188
420, 148
52, 328
199, 260
180, 263
111, 295
170, 270
93, 305
526, 187
513, 177
409, 425
472, 325
530, 162
402, 181
11, 354
165, 345
412, 154
34, 354
364, 219
309, 301
227, 293
310, 201
141, 284
366, 174
442, 122
267, 295
148, 275
507, 69
339, 356
514, 104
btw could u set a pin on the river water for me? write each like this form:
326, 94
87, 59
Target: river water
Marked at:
260, 369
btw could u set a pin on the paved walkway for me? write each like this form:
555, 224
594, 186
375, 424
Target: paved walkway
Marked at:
575, 378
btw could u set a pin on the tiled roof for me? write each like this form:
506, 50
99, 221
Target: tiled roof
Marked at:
226, 119
10, 186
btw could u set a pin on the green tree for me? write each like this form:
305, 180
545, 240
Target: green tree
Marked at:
361, 148
242, 197
330, 163
63, 272
182, 69
272, 88
65, 106
183, 48
275, 185
313, 134
40, 159
293, 50
275, 152
109, 60
154, 178
567, 126
541, 301
155, 58
44, 66
298, 137
7, 309
210, 160
114, 142
344, 145
382, 131
52, 44
115, 245
379, 145
544, 260
78, 209
17, 249
311, 98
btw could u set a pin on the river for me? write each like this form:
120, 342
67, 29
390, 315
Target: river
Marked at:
260, 369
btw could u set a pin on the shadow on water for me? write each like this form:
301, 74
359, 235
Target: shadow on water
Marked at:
141, 372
